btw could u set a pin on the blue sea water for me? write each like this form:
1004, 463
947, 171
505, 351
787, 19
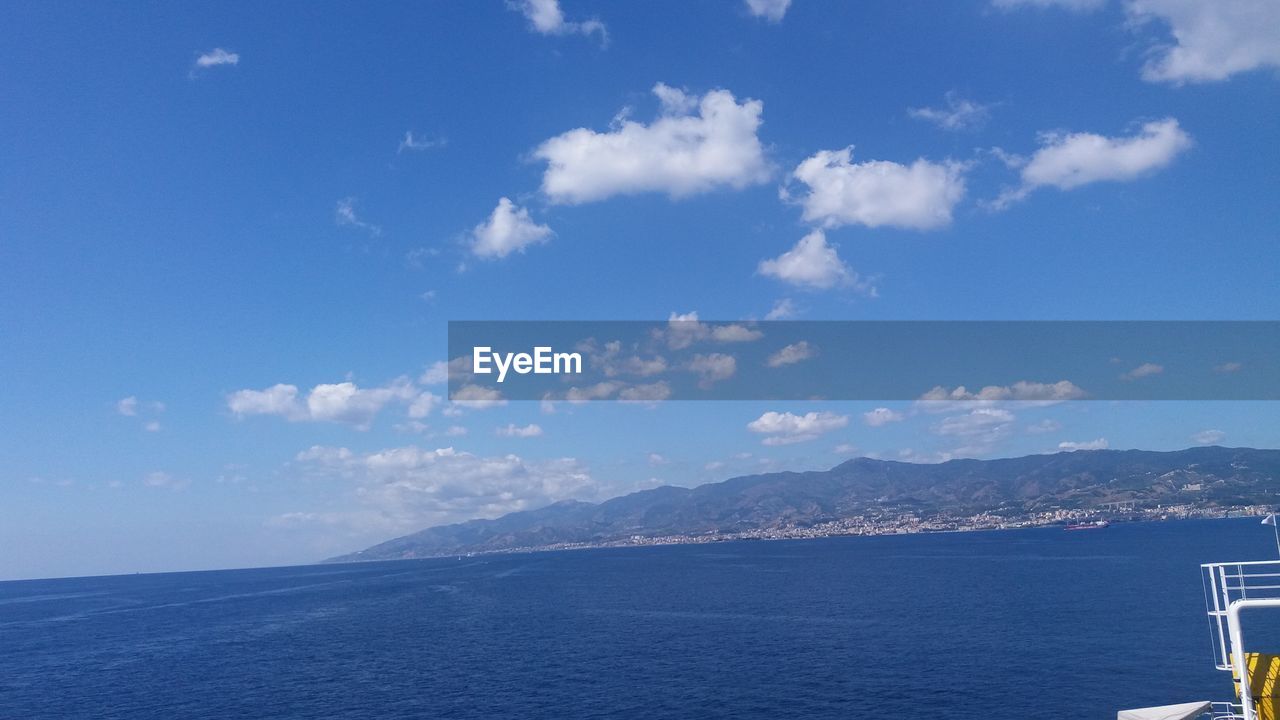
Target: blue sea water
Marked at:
1016, 624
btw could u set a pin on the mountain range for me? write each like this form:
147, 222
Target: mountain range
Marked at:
1010, 487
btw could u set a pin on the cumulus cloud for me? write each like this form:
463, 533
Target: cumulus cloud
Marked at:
1143, 370
476, 397
792, 354
408, 488
1068, 161
1209, 437
712, 368
771, 10
515, 431
345, 214
813, 264
877, 193
882, 416
735, 333
509, 229
1021, 391
684, 329
958, 114
343, 402
611, 359
546, 18
1099, 444
437, 373
646, 393
782, 310
787, 428
694, 146
1211, 41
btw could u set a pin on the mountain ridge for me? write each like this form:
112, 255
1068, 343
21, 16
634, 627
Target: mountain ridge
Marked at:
861, 492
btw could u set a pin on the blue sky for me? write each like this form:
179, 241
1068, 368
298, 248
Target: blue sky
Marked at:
202, 201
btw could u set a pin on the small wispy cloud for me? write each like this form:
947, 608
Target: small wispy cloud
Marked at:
412, 143
958, 114
345, 215
1143, 370
770, 10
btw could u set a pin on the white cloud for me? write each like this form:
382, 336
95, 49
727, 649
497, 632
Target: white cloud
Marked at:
712, 368
1068, 161
598, 391
878, 193
612, 362
216, 57
656, 459
771, 10
508, 229
343, 402
1099, 444
1021, 391
792, 354
983, 420
345, 215
514, 431
280, 399
959, 114
1209, 437
814, 264
1047, 425
882, 416
1143, 370
734, 333
408, 488
476, 397
782, 310
159, 479
680, 153
1074, 5
1228, 367
128, 406
152, 426
411, 143
546, 18
845, 449
787, 428
436, 374
422, 405
1212, 39
649, 393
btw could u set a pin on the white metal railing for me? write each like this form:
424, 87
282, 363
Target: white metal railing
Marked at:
1226, 711
1225, 583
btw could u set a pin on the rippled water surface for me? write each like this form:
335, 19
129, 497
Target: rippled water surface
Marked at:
1018, 624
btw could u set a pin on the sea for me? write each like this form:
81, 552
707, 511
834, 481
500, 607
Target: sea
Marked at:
1018, 624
